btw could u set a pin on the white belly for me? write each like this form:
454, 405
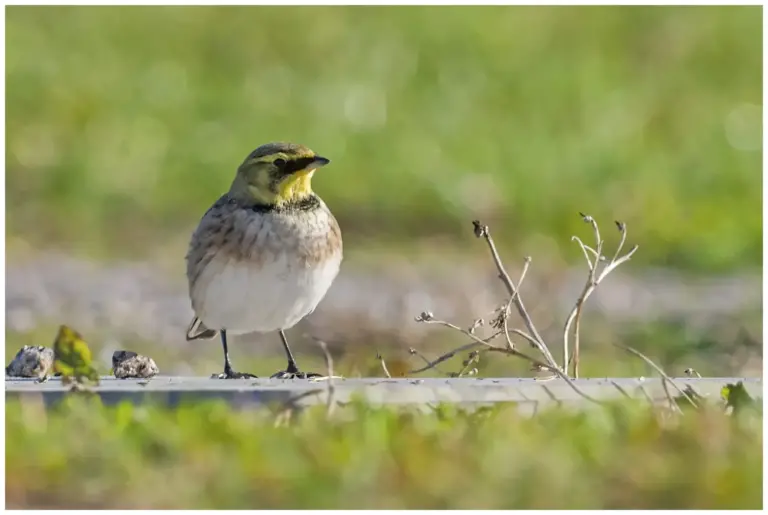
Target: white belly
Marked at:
244, 298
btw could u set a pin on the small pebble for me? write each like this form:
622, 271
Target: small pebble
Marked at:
127, 364
31, 361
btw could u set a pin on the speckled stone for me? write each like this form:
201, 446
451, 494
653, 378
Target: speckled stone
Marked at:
31, 361
127, 364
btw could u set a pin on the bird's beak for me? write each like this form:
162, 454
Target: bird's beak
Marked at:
318, 162
315, 163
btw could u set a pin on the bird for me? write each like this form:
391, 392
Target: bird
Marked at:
264, 254
72, 357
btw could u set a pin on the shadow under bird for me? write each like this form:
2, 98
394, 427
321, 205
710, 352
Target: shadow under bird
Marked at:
265, 254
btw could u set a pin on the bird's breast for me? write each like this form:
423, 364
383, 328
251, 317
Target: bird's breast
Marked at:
268, 274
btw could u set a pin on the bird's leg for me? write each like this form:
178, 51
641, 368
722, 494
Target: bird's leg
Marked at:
228, 372
292, 370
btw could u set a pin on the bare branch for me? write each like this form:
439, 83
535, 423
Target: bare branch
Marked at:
513, 352
331, 399
532, 335
414, 352
658, 369
585, 248
598, 240
544, 366
482, 231
383, 365
526, 265
449, 355
474, 357
591, 284
623, 230
576, 340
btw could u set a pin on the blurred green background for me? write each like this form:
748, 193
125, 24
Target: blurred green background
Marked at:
125, 123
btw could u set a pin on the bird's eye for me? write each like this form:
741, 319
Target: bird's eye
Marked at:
279, 162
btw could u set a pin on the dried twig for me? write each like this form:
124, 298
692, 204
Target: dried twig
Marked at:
383, 365
450, 354
532, 335
482, 231
586, 248
508, 305
661, 372
593, 280
415, 352
474, 357
429, 319
559, 373
331, 399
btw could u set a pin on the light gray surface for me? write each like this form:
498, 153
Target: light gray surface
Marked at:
530, 393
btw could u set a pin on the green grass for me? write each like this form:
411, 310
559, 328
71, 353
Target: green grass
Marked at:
125, 123
84, 455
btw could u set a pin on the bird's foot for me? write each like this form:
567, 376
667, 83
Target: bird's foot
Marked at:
231, 374
293, 374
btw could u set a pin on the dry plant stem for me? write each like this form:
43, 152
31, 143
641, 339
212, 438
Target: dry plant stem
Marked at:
556, 371
482, 230
592, 281
623, 229
580, 302
515, 352
524, 335
471, 360
383, 365
508, 305
421, 356
584, 249
449, 355
661, 372
331, 399
576, 341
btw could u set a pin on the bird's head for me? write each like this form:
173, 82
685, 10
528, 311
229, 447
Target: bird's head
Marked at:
276, 174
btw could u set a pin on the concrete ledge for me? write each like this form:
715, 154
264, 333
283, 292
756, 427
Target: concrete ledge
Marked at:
530, 394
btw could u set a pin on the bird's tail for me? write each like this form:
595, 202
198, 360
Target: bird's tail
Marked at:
198, 331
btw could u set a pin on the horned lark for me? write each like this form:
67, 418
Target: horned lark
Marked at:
265, 254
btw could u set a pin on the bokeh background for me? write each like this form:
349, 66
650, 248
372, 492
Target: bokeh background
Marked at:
123, 124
